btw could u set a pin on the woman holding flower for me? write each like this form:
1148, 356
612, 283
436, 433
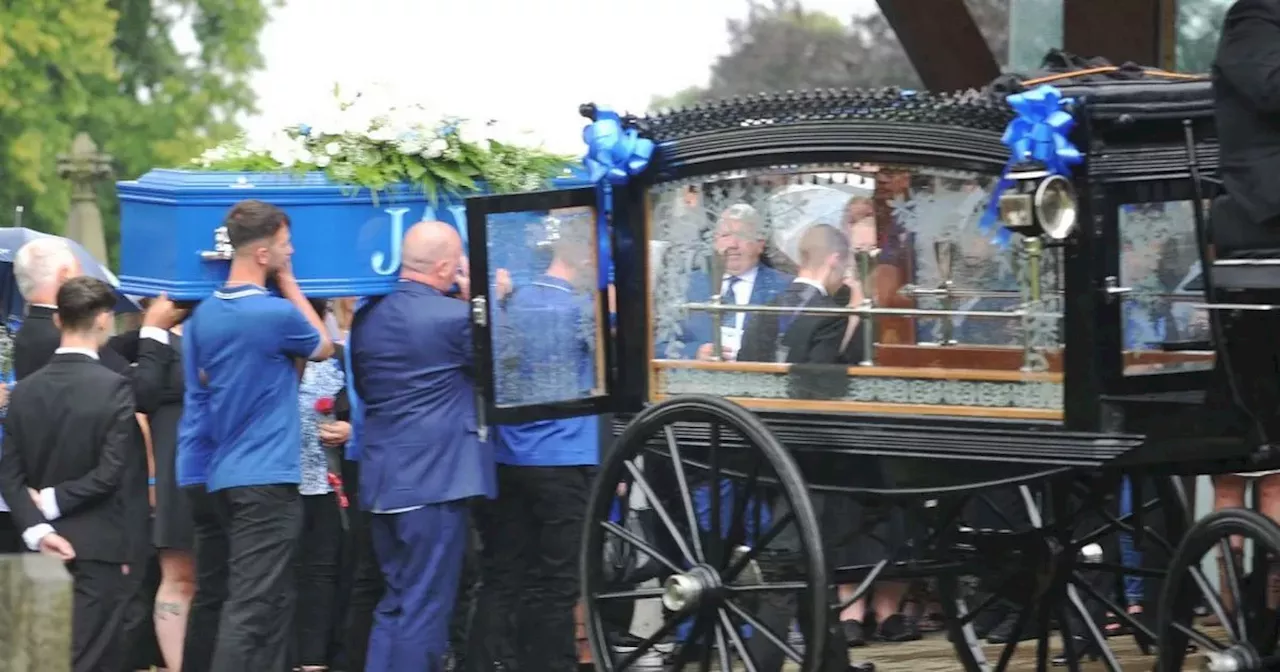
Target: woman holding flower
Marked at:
323, 508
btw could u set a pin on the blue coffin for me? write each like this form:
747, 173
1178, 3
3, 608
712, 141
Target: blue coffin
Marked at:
345, 243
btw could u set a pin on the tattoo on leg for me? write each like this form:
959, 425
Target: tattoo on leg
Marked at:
165, 609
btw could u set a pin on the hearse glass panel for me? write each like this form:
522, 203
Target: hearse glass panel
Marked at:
1162, 329
545, 307
916, 253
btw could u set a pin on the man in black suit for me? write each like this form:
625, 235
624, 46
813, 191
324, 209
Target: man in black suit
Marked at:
64, 470
1247, 110
41, 267
816, 342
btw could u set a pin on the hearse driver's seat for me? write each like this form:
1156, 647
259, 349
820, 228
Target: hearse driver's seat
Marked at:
1242, 292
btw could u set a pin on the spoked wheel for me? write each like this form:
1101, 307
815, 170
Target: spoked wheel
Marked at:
726, 556
1061, 571
1245, 545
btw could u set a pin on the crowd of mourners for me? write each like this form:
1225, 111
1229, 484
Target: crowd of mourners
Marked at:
264, 481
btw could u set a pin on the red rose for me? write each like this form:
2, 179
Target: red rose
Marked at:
324, 406
335, 482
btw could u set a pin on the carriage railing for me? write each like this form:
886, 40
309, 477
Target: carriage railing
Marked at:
717, 308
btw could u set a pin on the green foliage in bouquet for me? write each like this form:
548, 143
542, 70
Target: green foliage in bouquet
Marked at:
366, 145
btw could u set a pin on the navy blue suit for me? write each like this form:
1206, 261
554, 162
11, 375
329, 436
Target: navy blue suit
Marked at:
696, 329
421, 460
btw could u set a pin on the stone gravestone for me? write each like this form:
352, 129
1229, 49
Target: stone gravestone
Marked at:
35, 614
85, 167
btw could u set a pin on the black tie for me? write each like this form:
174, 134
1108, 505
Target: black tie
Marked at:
731, 297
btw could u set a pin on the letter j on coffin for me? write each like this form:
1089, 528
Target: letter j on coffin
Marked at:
388, 262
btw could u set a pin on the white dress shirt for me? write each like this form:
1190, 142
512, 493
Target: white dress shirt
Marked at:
814, 284
739, 293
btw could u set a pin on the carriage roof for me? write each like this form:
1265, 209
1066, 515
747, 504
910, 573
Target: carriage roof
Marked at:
1143, 109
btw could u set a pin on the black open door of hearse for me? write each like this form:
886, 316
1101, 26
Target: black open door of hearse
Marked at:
540, 313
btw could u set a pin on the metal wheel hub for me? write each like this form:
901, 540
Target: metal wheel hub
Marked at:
681, 592
1235, 658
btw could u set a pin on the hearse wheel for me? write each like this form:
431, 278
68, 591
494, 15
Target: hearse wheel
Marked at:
1057, 567
1245, 546
718, 548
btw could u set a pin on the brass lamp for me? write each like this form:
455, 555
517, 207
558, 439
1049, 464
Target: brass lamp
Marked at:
1039, 202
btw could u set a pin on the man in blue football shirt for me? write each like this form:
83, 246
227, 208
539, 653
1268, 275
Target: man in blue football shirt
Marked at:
546, 345
242, 347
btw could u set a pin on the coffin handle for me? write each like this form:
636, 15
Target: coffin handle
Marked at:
222, 250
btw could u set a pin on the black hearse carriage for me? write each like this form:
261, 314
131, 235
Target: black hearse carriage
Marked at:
1013, 419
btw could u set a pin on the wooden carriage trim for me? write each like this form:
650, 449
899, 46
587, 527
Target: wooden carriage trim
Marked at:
877, 408
932, 373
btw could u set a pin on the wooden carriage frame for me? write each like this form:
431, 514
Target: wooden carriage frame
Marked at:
1143, 144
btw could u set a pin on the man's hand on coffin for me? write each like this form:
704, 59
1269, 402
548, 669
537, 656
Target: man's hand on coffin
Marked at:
56, 546
463, 279
163, 313
502, 283
335, 433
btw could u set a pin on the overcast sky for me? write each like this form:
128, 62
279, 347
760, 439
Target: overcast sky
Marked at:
531, 62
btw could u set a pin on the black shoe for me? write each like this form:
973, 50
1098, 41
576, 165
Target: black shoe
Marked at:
854, 635
1001, 634
898, 628
1085, 650
862, 667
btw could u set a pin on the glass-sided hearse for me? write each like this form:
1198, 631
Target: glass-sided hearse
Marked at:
828, 369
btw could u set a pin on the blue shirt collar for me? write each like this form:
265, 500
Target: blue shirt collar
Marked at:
239, 291
554, 283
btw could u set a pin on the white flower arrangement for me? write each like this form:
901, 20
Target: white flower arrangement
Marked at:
365, 143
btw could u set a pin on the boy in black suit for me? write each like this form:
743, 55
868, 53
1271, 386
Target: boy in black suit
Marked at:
64, 470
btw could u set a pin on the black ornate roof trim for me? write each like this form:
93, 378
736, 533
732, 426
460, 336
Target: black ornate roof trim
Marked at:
970, 109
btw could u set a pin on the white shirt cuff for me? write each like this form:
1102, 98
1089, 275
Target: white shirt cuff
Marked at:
49, 505
33, 535
155, 334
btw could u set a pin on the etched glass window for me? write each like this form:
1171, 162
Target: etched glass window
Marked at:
545, 306
1161, 328
862, 283
1198, 28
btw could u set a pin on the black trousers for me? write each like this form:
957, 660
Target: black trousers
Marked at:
366, 576
141, 648
10, 536
263, 524
211, 549
529, 564
317, 569
776, 611
100, 597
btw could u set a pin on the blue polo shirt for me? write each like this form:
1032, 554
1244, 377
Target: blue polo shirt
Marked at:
546, 345
243, 343
352, 450
191, 459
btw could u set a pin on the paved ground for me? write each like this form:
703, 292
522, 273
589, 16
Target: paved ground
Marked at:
935, 654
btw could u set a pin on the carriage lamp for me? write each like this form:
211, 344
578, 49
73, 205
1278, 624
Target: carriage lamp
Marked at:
1038, 203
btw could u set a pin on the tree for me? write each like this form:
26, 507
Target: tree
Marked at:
782, 46
122, 78
54, 56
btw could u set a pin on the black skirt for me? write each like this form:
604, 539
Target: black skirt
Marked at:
172, 527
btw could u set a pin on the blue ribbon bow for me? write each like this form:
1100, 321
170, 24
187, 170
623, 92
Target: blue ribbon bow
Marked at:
615, 154
1037, 133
